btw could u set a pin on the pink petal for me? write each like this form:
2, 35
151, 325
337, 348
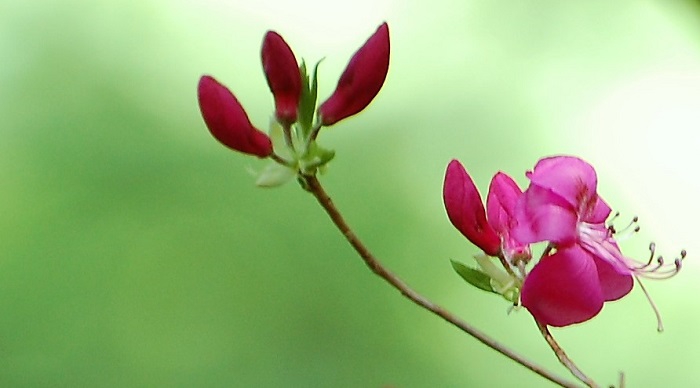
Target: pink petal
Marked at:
283, 76
466, 211
542, 215
227, 121
598, 214
570, 177
614, 284
361, 80
563, 288
500, 202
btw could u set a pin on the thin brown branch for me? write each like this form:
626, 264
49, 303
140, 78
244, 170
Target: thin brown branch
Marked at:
563, 358
315, 188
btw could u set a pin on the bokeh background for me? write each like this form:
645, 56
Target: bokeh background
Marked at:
135, 250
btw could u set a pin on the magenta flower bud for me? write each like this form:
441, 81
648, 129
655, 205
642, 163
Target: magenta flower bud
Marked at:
466, 210
228, 122
283, 76
361, 80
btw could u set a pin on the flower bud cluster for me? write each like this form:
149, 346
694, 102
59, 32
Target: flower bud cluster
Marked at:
294, 93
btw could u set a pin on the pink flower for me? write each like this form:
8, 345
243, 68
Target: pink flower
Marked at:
283, 76
466, 212
361, 80
587, 269
228, 122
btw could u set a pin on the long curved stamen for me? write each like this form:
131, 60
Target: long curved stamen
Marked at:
603, 242
659, 322
654, 268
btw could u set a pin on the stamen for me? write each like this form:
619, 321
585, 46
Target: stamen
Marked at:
659, 322
652, 253
658, 268
623, 234
611, 227
659, 263
679, 260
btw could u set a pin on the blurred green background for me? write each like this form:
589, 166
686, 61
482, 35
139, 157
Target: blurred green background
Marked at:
135, 250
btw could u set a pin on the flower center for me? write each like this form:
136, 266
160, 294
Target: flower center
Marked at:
600, 241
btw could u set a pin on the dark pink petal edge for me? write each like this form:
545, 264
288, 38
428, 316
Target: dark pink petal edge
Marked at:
466, 211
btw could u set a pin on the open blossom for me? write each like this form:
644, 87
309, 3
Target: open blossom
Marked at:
582, 267
466, 212
562, 206
228, 122
361, 80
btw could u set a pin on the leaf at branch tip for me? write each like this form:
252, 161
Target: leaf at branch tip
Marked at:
307, 104
473, 276
315, 158
274, 174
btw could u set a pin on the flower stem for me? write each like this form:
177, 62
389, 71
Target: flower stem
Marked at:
314, 132
506, 265
312, 185
281, 161
563, 358
287, 131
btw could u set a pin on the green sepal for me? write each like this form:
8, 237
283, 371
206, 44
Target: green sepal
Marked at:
473, 276
307, 103
315, 158
274, 174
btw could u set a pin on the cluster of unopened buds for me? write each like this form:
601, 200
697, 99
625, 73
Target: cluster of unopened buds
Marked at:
291, 140
581, 266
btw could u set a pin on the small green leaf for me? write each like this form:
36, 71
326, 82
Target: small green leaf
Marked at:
307, 104
302, 71
322, 155
314, 87
315, 157
473, 276
274, 174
